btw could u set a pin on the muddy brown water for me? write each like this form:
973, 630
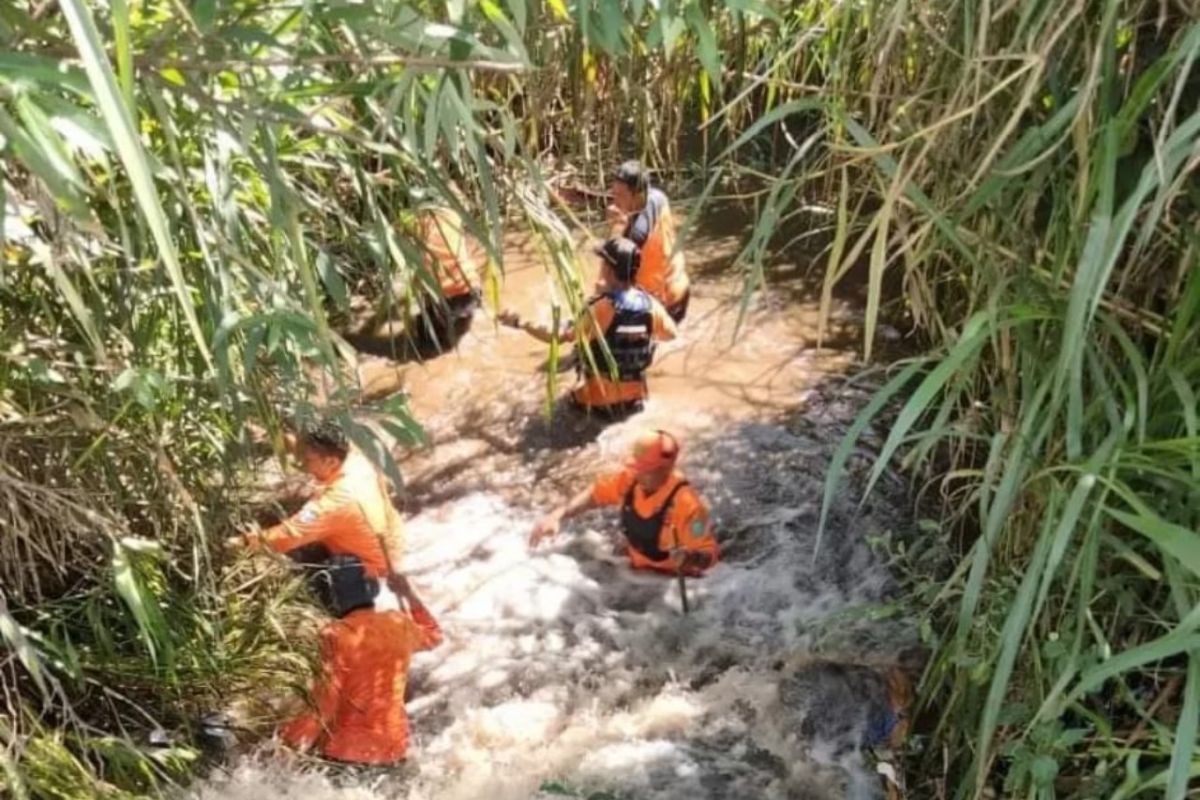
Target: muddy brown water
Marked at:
562, 670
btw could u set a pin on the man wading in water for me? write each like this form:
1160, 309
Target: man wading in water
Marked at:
643, 215
665, 523
351, 514
351, 538
629, 321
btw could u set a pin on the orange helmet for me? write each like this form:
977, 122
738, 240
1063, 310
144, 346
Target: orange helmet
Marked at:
652, 450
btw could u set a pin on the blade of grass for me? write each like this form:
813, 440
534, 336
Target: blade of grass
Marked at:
125, 137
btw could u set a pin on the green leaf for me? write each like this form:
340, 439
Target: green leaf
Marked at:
756, 7
124, 134
770, 118
1183, 752
79, 309
1174, 540
64, 188
837, 464
1043, 770
17, 643
204, 12
707, 50
24, 70
139, 599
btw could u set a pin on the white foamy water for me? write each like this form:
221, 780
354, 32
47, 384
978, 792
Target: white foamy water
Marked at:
562, 667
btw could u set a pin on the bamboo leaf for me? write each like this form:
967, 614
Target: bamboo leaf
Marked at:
17, 643
974, 336
25, 70
74, 301
835, 472
770, 118
124, 134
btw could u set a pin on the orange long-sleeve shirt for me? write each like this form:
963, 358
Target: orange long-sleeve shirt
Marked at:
686, 524
352, 514
358, 713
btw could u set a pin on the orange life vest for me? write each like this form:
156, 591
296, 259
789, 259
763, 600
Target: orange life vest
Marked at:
662, 272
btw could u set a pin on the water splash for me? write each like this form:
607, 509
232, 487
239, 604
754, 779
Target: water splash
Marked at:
563, 667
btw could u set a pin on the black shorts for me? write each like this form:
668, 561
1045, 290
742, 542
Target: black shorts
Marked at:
677, 311
441, 324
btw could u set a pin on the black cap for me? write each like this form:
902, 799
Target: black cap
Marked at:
633, 175
622, 255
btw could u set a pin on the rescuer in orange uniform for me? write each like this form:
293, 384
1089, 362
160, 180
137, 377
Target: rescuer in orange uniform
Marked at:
454, 261
642, 214
350, 515
665, 523
357, 712
629, 321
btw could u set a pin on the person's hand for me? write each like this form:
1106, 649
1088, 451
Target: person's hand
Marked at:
546, 528
509, 318
616, 216
234, 543
691, 560
257, 433
403, 590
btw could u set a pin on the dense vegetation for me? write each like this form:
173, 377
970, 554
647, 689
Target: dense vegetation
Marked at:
192, 189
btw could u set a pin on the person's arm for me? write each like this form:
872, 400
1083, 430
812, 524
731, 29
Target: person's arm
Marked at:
543, 333
692, 541
428, 634
307, 526
548, 526
664, 328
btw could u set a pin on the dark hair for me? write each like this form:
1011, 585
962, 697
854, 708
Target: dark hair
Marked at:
633, 175
326, 437
623, 256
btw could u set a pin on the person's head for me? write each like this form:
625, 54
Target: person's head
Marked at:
653, 458
620, 258
323, 448
629, 185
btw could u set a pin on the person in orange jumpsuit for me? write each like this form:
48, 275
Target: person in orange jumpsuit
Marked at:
642, 213
453, 260
357, 712
665, 523
628, 319
351, 513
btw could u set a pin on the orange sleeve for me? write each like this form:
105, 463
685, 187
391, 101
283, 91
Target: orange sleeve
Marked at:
310, 524
664, 327
691, 524
610, 489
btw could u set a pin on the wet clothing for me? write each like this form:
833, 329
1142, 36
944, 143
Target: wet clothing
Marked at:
630, 321
351, 514
655, 524
455, 260
452, 256
662, 272
358, 701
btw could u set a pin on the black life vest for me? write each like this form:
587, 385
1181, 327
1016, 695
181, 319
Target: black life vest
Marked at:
630, 336
340, 582
643, 532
